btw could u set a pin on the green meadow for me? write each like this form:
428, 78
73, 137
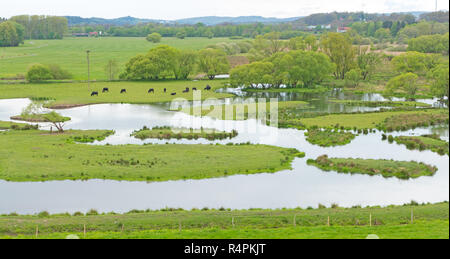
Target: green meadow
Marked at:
411, 221
70, 53
60, 157
63, 95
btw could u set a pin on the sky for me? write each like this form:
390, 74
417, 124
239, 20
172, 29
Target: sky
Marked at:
176, 9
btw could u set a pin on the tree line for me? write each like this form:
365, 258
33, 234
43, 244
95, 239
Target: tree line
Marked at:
165, 62
11, 34
42, 27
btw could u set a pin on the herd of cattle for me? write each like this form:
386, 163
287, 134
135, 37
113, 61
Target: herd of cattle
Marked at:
151, 90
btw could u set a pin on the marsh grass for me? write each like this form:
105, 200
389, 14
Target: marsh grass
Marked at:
182, 133
386, 168
329, 137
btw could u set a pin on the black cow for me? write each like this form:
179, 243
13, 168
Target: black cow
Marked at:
208, 88
151, 90
165, 90
123, 91
105, 90
194, 89
173, 93
186, 91
94, 94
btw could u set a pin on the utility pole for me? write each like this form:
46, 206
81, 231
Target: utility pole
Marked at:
89, 70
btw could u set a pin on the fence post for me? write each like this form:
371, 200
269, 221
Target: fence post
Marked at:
121, 230
412, 216
84, 230
295, 220
179, 226
328, 221
232, 221
370, 220
37, 231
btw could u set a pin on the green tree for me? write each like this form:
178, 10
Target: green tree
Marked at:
341, 52
213, 62
185, 63
415, 62
440, 82
56, 119
112, 69
382, 34
353, 77
367, 62
181, 35
406, 82
38, 72
59, 73
11, 34
154, 37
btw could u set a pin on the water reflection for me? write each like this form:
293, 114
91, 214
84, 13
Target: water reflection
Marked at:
302, 186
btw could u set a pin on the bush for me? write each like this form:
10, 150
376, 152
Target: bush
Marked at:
39, 72
58, 73
154, 37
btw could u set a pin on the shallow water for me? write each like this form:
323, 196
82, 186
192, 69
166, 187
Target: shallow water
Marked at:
303, 186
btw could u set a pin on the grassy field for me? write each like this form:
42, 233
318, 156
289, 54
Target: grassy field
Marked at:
433, 143
386, 168
329, 138
179, 133
70, 53
65, 95
408, 221
397, 120
58, 157
4, 125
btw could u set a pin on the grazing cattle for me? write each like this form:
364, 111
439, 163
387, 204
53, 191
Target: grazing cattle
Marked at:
123, 91
173, 93
105, 90
194, 89
151, 90
208, 88
165, 90
186, 91
94, 93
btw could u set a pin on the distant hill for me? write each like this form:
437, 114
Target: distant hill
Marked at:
128, 20
214, 20
208, 20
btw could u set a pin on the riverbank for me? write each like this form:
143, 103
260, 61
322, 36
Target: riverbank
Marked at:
182, 133
385, 168
407, 221
69, 95
59, 157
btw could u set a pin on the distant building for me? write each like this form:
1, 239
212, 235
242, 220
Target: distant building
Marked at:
343, 29
80, 34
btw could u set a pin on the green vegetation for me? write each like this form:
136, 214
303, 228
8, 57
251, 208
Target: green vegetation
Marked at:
179, 133
5, 125
154, 37
341, 52
436, 43
162, 62
240, 111
429, 221
295, 69
383, 120
58, 157
381, 103
425, 142
39, 73
288, 90
70, 54
386, 168
64, 95
44, 117
213, 62
11, 34
41, 26
328, 137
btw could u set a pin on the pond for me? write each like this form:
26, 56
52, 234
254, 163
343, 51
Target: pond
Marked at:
303, 186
